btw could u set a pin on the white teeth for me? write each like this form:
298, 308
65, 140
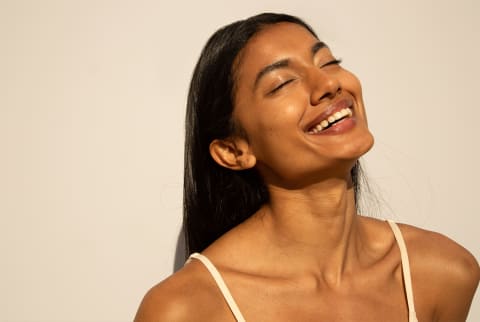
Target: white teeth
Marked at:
346, 112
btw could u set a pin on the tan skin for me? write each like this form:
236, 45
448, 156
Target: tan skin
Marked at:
307, 255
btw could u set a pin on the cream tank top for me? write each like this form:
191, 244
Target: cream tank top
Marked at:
412, 316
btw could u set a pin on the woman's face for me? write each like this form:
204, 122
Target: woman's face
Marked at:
302, 112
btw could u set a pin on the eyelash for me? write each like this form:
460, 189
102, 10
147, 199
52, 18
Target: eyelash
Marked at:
281, 85
332, 62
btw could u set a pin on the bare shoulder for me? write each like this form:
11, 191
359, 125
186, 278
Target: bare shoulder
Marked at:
187, 295
440, 255
444, 273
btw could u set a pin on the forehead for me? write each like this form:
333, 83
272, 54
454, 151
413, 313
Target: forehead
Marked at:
282, 33
274, 42
278, 40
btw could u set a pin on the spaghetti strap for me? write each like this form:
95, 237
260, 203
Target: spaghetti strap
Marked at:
412, 316
221, 285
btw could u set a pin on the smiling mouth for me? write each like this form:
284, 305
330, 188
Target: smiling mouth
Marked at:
330, 120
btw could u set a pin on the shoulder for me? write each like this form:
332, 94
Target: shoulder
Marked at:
445, 274
439, 255
187, 295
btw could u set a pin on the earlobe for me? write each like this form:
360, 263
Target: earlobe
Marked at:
233, 154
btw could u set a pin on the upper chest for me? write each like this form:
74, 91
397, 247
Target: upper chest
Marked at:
380, 298
375, 302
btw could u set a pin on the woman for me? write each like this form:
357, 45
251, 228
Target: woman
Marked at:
275, 127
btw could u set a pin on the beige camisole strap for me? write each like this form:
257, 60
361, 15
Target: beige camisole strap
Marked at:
221, 285
407, 278
412, 317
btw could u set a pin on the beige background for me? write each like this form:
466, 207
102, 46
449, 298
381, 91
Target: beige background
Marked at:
92, 97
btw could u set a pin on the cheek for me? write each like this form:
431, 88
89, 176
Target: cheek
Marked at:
279, 117
274, 117
352, 84
271, 129
280, 121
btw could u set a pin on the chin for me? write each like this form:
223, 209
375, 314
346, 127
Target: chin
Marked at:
355, 150
368, 144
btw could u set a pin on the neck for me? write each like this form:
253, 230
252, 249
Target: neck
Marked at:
314, 226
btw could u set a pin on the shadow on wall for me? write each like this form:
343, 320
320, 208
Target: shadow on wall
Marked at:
180, 255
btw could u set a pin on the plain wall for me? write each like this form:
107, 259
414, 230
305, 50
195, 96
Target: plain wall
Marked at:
92, 101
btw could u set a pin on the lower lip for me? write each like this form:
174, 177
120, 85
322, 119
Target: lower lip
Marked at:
340, 127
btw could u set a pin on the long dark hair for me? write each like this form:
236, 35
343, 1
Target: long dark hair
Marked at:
216, 199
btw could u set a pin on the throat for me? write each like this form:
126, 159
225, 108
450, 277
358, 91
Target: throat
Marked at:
313, 242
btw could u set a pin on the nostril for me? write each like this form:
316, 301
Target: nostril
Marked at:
325, 96
330, 94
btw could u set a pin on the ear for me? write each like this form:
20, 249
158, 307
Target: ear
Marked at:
232, 153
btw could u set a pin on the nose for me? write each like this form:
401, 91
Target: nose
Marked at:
324, 85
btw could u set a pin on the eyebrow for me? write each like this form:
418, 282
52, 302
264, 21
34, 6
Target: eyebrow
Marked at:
317, 46
283, 63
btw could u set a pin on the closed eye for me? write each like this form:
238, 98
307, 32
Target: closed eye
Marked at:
273, 91
332, 62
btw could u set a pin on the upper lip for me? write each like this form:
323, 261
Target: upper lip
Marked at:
330, 110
